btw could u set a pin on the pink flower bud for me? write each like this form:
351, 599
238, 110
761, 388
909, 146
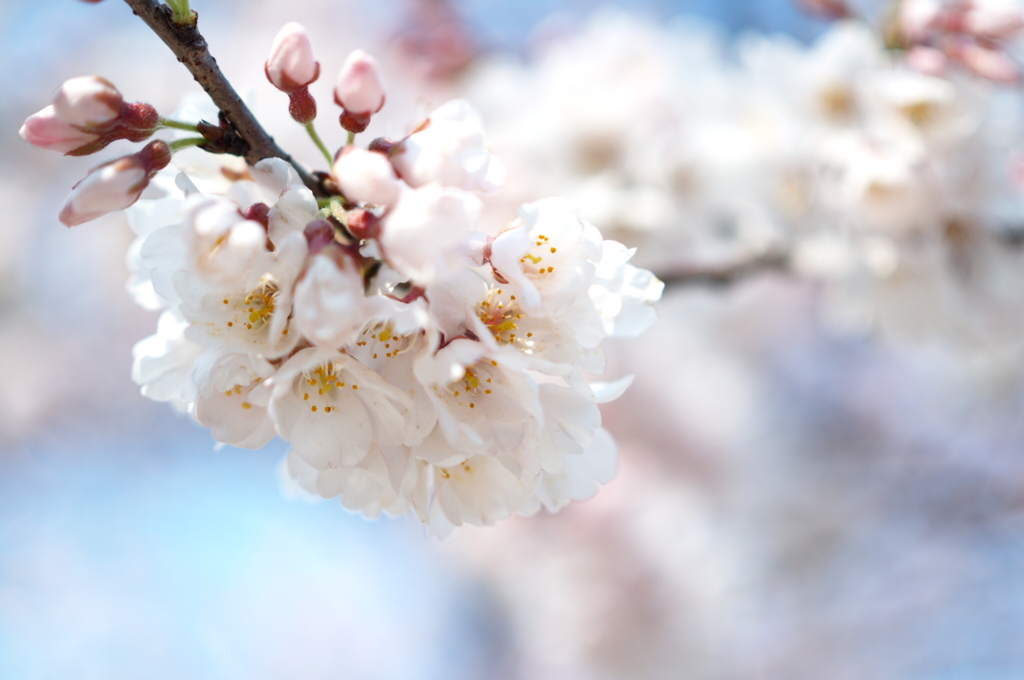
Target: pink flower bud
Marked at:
362, 224
46, 131
987, 63
115, 185
87, 114
994, 20
88, 102
359, 89
366, 177
291, 64
319, 234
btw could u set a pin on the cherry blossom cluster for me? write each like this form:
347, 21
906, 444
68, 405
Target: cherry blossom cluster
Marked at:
417, 359
842, 160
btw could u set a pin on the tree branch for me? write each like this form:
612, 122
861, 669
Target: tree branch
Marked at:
726, 274
189, 46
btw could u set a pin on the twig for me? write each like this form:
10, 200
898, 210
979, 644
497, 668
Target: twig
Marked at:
189, 46
726, 274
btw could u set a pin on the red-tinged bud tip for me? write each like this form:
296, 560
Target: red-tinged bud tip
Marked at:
363, 224
319, 234
291, 64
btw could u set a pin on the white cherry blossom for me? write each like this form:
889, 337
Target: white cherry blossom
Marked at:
225, 382
448, 148
253, 316
333, 409
423, 234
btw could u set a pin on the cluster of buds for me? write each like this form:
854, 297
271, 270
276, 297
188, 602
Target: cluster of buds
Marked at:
969, 33
87, 114
291, 68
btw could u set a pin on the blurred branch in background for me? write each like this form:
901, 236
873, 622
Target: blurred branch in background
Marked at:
716, 275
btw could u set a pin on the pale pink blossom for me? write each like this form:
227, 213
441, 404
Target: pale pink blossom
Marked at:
115, 185
359, 88
366, 177
47, 131
88, 102
291, 64
423, 233
449, 148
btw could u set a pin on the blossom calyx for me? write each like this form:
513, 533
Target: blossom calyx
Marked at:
114, 185
85, 115
291, 68
359, 91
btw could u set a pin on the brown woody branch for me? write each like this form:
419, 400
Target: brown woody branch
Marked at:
725, 274
189, 46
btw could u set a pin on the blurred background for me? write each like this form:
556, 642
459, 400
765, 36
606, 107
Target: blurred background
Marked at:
792, 502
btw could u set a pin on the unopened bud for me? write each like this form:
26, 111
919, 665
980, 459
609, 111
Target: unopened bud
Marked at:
359, 90
291, 64
362, 224
46, 131
291, 68
115, 185
319, 234
382, 145
86, 115
258, 212
88, 102
366, 177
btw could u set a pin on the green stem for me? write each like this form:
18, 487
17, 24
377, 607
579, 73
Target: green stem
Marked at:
179, 144
351, 139
181, 13
177, 125
319, 143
